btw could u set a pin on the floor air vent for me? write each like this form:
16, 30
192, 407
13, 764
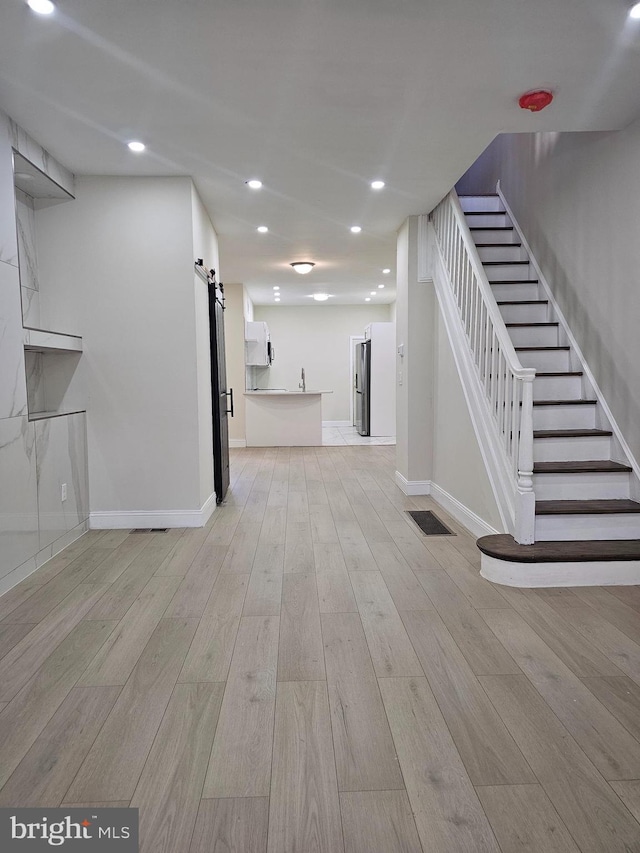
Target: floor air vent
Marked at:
150, 530
429, 523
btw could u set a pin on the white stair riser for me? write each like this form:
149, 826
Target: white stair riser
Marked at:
509, 272
514, 291
534, 336
564, 417
501, 253
481, 203
557, 387
545, 360
580, 449
487, 220
498, 235
550, 528
581, 487
525, 313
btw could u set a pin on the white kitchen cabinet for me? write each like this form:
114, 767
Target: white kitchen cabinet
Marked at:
257, 343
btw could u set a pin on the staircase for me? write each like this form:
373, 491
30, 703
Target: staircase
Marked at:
581, 492
583, 483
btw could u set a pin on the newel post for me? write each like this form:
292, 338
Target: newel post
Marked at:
526, 499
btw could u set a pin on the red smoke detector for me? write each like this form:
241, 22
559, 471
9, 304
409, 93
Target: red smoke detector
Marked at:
536, 100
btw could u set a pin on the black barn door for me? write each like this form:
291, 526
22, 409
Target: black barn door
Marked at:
220, 395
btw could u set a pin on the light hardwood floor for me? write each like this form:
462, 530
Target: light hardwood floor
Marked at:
311, 674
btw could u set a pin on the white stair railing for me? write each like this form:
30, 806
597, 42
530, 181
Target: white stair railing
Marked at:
507, 385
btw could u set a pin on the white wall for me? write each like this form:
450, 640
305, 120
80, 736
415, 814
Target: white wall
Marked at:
577, 198
316, 338
121, 272
234, 345
205, 246
458, 467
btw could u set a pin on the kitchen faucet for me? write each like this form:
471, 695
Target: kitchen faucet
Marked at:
302, 384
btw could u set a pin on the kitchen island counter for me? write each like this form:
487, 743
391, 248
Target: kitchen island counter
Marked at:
277, 418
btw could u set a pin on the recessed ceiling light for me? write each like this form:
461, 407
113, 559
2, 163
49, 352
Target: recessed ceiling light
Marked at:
42, 7
386, 271
262, 229
276, 287
303, 267
277, 299
136, 146
377, 185
356, 229
634, 12
254, 184
367, 299
373, 292
321, 297
380, 286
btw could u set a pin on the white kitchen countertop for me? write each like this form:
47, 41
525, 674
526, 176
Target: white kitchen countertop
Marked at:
268, 393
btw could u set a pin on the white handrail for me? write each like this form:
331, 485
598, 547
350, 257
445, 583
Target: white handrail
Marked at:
507, 385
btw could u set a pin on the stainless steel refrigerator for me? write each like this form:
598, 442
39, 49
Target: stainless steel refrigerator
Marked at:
363, 388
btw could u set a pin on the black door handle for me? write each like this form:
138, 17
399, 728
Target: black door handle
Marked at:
229, 393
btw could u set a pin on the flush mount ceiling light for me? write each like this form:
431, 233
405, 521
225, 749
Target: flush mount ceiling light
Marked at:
42, 7
262, 229
634, 11
377, 185
303, 267
356, 229
254, 184
136, 146
321, 297
386, 271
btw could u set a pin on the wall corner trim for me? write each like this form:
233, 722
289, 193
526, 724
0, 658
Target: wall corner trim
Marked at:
116, 520
412, 487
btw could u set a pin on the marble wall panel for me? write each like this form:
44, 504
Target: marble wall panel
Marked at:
35, 382
30, 308
18, 495
8, 235
61, 454
36, 154
13, 385
27, 251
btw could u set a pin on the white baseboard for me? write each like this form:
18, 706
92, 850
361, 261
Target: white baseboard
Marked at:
413, 487
336, 424
116, 520
469, 519
531, 575
237, 442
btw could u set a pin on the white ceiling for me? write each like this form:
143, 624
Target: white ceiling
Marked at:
315, 97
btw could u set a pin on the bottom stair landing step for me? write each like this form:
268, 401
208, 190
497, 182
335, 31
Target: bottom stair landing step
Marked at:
562, 563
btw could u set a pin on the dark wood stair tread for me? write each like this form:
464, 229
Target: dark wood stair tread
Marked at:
504, 547
539, 349
496, 245
491, 227
514, 281
559, 373
597, 466
595, 507
571, 433
502, 263
523, 325
523, 302
564, 402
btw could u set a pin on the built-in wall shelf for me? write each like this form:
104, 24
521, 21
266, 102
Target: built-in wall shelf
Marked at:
39, 340
35, 183
41, 416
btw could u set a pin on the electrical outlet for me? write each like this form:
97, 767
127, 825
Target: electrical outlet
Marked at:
63, 492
